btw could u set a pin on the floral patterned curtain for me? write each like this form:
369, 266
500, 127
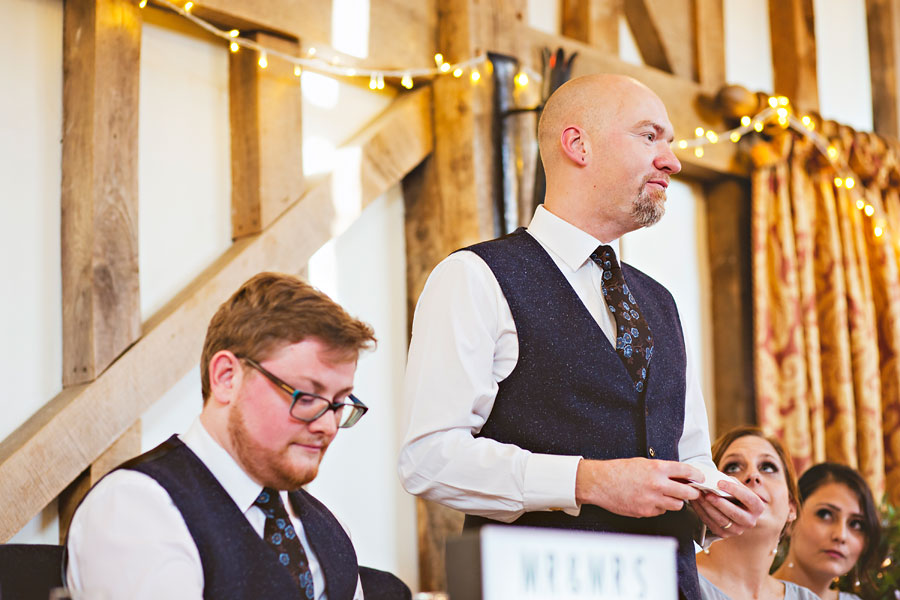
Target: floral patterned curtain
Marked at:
826, 289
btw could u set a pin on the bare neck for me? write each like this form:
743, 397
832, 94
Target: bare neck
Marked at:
791, 570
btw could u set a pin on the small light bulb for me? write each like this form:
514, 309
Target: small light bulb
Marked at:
745, 121
521, 79
475, 76
783, 122
698, 152
850, 182
773, 101
445, 67
188, 6
782, 112
712, 137
886, 563
735, 137
439, 59
311, 52
234, 33
806, 121
783, 101
457, 72
758, 126
263, 60
298, 71
860, 204
682, 144
143, 3
832, 152
878, 232
698, 132
407, 81
838, 182
373, 83
234, 47
380, 81
869, 210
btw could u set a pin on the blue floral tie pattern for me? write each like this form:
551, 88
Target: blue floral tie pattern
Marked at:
634, 344
280, 535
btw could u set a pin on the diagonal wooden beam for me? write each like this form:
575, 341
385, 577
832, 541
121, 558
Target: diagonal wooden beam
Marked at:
690, 105
663, 31
594, 22
39, 459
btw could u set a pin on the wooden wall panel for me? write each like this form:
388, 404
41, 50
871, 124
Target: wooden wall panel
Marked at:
266, 136
792, 24
709, 43
100, 289
883, 23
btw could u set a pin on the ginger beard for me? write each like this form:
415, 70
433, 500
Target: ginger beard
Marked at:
650, 205
284, 469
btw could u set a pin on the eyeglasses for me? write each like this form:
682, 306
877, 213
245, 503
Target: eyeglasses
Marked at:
308, 407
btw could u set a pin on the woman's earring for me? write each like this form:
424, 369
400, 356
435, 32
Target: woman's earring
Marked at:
790, 565
774, 550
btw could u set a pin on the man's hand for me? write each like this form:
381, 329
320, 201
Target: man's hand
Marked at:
636, 487
723, 516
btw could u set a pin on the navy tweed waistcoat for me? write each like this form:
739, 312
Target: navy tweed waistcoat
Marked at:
237, 562
570, 393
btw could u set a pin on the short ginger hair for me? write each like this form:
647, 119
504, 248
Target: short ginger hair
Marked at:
272, 310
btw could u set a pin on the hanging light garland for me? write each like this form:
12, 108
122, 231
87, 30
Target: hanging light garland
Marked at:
315, 63
779, 110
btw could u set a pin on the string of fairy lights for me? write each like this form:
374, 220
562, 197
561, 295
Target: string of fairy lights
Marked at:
778, 109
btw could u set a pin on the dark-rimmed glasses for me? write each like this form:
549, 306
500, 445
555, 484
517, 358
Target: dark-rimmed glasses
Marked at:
308, 407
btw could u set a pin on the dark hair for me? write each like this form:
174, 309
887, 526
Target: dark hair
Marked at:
827, 472
728, 438
272, 310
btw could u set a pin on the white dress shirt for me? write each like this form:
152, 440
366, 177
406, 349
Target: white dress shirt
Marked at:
128, 539
463, 345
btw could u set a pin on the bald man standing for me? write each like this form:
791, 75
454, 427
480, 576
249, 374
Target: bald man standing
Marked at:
549, 385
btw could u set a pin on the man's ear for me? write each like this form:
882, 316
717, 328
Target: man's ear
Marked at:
575, 145
225, 376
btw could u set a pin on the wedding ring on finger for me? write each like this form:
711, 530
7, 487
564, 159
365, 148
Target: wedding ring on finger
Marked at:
729, 524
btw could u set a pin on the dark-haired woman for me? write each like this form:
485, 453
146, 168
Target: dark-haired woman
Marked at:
737, 568
836, 532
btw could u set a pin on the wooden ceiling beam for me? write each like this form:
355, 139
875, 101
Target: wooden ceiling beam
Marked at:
689, 104
38, 460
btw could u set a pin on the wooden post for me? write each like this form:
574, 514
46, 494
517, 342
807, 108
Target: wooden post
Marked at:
728, 218
792, 24
125, 448
266, 136
663, 31
594, 22
449, 199
883, 21
709, 31
100, 290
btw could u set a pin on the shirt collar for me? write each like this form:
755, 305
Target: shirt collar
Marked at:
571, 244
242, 489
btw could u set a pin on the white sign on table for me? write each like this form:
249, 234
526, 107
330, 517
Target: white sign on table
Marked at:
525, 563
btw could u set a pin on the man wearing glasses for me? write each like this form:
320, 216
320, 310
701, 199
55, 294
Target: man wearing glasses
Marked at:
219, 511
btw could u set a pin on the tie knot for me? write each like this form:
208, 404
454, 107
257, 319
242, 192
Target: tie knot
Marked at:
268, 498
605, 258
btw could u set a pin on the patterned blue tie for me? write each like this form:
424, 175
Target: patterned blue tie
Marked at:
280, 535
634, 344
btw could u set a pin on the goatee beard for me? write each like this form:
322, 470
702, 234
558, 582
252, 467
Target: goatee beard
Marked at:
649, 206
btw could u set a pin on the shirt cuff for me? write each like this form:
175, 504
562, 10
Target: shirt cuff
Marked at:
550, 483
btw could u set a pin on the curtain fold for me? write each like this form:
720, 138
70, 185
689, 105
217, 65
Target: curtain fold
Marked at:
826, 288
